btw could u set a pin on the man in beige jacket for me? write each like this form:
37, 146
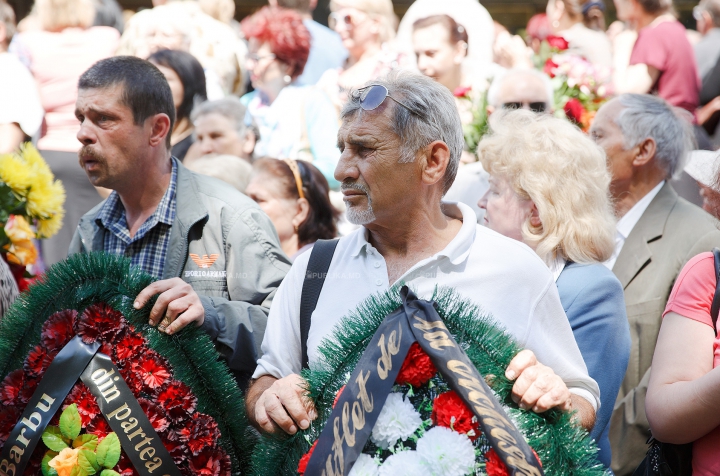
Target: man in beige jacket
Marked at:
646, 141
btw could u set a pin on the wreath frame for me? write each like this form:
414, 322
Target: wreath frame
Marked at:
85, 279
563, 447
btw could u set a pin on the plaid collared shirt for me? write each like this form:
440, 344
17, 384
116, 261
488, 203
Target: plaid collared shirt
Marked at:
148, 248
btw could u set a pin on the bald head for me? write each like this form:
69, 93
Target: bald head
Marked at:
520, 86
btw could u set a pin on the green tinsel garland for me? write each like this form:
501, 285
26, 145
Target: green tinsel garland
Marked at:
85, 279
563, 447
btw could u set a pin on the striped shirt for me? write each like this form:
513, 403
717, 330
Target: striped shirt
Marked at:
148, 248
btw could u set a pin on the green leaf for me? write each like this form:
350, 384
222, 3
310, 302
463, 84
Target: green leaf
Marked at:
78, 471
53, 438
88, 461
46, 469
109, 472
87, 441
70, 422
108, 451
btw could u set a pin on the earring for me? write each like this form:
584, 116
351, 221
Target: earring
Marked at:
287, 79
555, 24
296, 228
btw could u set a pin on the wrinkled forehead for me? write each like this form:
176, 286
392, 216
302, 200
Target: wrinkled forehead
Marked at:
376, 122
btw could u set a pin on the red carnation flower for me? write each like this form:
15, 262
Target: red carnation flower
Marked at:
557, 42
208, 462
549, 67
574, 110
99, 322
9, 416
155, 414
133, 380
494, 466
11, 388
129, 345
177, 400
152, 369
86, 403
58, 330
302, 465
417, 368
199, 432
177, 449
99, 427
38, 360
461, 91
337, 395
125, 466
451, 412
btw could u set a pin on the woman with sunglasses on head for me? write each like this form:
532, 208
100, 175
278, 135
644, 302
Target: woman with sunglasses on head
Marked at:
367, 28
549, 188
296, 122
294, 194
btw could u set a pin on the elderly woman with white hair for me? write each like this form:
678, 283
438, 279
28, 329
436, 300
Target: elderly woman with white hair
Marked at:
549, 189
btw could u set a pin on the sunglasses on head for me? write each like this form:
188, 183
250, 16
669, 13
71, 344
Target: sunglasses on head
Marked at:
533, 106
372, 96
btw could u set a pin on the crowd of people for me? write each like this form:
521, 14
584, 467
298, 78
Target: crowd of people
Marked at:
440, 149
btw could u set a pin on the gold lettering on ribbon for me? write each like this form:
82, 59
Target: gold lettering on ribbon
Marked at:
497, 424
31, 424
440, 338
384, 365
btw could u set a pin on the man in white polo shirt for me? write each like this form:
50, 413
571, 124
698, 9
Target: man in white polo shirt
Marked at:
646, 141
401, 142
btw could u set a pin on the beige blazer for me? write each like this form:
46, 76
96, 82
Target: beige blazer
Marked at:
669, 233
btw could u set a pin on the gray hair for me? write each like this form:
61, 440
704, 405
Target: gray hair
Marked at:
434, 117
645, 116
496, 85
231, 108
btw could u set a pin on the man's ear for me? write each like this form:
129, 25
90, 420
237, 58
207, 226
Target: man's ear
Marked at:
159, 129
437, 159
644, 152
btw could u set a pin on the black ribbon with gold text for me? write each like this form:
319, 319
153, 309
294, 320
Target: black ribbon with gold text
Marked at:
117, 403
358, 407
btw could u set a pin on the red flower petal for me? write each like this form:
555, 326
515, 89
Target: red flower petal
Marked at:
99, 322
208, 462
302, 465
9, 416
557, 42
152, 369
450, 411
58, 330
417, 368
11, 388
200, 432
155, 414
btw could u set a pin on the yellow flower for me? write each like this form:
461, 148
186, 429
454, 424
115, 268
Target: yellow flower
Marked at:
45, 198
15, 173
21, 249
48, 227
65, 461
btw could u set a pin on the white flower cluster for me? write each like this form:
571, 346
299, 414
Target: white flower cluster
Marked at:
365, 465
398, 420
440, 452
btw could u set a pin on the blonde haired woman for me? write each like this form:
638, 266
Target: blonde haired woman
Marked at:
62, 46
367, 29
549, 189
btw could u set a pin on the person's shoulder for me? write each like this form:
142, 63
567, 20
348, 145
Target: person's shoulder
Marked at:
701, 265
576, 275
691, 219
512, 256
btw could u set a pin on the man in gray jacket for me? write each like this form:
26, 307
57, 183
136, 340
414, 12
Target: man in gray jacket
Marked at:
215, 252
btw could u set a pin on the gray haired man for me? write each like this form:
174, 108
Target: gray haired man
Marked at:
401, 142
646, 141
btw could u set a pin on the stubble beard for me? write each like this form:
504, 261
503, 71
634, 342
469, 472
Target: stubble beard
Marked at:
354, 213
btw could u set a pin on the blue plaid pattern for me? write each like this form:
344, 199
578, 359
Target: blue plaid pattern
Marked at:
148, 248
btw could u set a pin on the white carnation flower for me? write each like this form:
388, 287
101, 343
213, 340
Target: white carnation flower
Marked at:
405, 463
365, 465
446, 453
398, 419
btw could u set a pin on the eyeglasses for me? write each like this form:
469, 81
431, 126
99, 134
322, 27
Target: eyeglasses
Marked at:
697, 12
372, 96
347, 20
539, 106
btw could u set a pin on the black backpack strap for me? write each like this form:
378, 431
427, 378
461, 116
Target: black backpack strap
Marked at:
715, 308
320, 258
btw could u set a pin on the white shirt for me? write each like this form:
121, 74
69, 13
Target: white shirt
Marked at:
626, 224
503, 276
